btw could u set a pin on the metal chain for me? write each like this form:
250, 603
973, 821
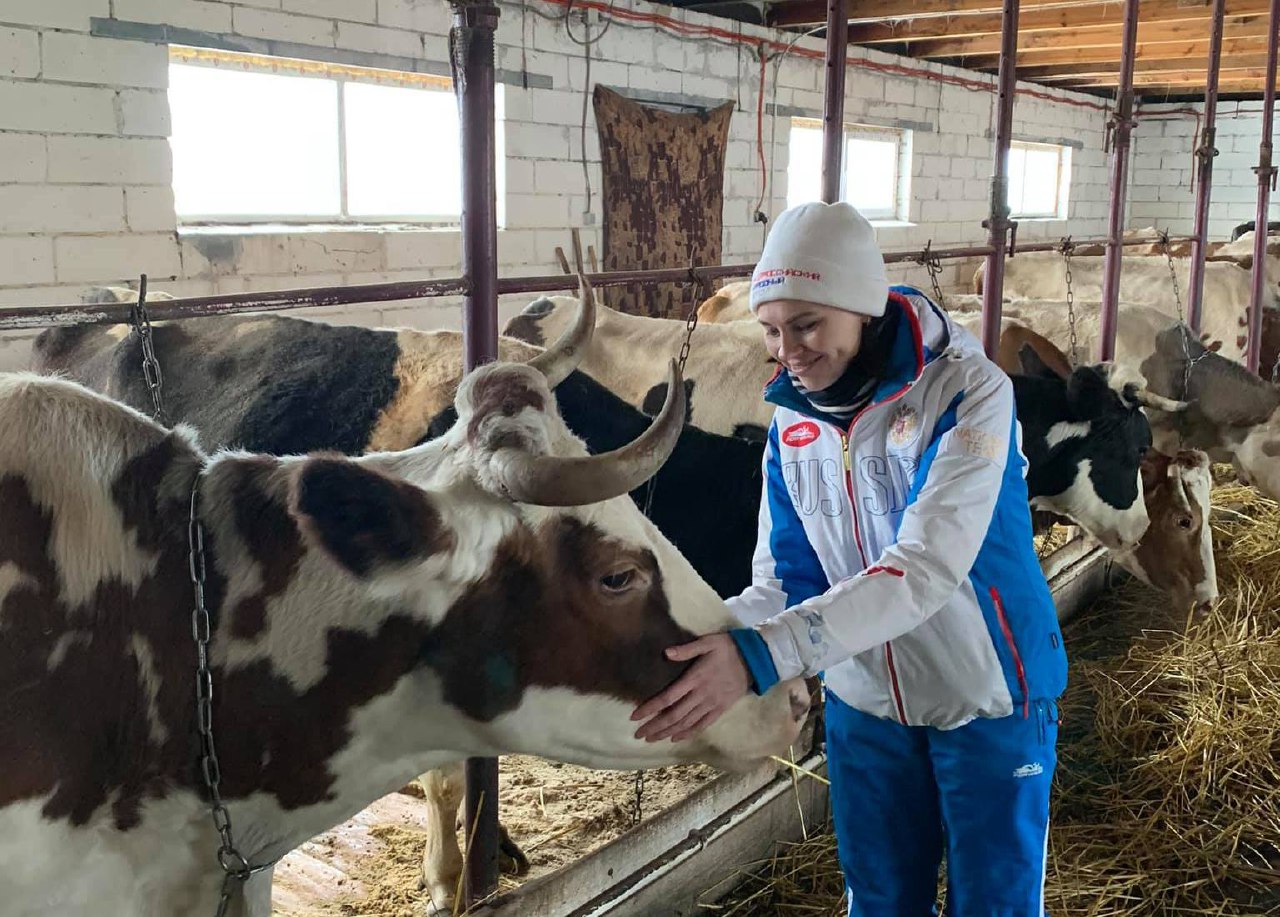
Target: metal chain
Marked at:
1173, 275
1068, 249
637, 803
150, 365
1184, 331
691, 325
933, 265
235, 867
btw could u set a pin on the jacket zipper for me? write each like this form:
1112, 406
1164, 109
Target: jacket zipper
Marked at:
845, 436
1013, 648
888, 649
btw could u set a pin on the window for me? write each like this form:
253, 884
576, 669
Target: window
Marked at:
263, 139
875, 173
1039, 177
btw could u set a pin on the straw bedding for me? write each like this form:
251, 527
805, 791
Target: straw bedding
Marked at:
1167, 796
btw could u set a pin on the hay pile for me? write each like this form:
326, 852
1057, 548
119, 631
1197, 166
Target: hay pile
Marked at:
1168, 786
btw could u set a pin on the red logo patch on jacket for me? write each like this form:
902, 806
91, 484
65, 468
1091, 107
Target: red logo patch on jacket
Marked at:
800, 434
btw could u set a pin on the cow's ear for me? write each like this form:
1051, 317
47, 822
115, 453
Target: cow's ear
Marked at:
365, 520
1033, 364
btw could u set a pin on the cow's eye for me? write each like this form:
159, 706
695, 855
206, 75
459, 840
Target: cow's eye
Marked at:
617, 581
1184, 522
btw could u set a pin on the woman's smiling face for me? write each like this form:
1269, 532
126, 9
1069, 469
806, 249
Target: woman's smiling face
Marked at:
814, 343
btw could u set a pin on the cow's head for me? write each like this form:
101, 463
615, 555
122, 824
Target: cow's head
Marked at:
1094, 439
1176, 552
545, 598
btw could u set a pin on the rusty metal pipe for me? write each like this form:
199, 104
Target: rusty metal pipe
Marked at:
833, 100
1122, 126
1266, 172
1204, 170
998, 222
31, 318
472, 59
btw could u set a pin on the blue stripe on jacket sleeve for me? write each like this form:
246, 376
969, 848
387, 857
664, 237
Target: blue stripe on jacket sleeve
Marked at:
759, 662
796, 564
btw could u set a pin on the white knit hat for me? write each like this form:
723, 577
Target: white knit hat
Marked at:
825, 254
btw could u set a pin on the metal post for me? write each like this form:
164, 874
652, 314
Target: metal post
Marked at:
1205, 154
471, 55
1266, 173
833, 100
1122, 132
998, 223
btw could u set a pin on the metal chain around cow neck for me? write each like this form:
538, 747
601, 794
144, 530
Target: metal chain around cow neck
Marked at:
235, 868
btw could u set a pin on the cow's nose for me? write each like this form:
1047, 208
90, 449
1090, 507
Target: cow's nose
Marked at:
1203, 608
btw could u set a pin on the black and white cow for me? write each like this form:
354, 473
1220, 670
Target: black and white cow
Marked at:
1084, 443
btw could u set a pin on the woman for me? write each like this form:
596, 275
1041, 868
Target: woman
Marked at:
895, 558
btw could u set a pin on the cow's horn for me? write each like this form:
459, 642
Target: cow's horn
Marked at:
562, 357
1159, 402
546, 480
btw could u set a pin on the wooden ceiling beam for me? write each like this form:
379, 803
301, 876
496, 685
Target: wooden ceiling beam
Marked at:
1185, 78
1048, 57
1088, 37
1242, 87
814, 12
1052, 72
1047, 20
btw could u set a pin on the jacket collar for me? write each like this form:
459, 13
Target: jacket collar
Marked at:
921, 337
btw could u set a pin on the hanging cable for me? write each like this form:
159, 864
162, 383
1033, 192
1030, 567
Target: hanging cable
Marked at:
586, 43
760, 216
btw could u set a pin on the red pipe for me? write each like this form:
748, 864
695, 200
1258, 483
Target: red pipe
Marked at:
471, 44
1204, 170
833, 100
1266, 173
1122, 125
998, 222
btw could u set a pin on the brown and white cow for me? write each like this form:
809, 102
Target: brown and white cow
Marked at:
374, 617
728, 366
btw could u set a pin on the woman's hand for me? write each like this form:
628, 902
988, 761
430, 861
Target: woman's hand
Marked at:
701, 695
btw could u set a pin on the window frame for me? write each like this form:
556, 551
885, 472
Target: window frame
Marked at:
1062, 187
339, 75
901, 139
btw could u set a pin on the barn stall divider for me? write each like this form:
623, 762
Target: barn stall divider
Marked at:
671, 860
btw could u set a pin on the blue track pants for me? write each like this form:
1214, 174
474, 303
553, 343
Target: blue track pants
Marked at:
900, 795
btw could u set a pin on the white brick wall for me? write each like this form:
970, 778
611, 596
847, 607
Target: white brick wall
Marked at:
85, 169
1163, 165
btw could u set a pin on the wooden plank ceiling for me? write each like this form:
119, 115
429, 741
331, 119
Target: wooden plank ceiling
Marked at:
1066, 43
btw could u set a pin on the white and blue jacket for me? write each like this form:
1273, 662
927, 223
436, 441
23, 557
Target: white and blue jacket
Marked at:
896, 556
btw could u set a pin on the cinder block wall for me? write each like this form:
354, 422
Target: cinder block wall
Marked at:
1162, 193
85, 166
